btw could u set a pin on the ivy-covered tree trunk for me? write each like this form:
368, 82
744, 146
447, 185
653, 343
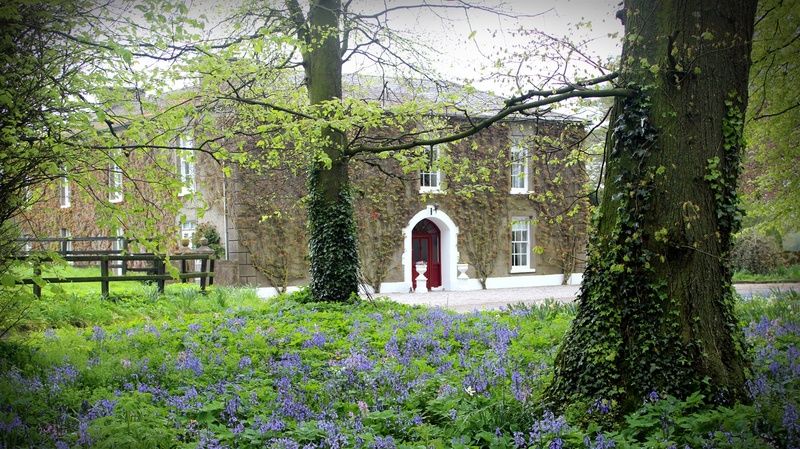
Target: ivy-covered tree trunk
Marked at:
332, 239
656, 307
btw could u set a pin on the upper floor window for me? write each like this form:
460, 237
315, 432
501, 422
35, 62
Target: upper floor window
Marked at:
520, 244
186, 166
64, 194
114, 182
431, 180
519, 169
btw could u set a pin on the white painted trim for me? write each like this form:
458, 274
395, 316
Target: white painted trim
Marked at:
436, 189
524, 281
460, 284
449, 246
269, 292
575, 279
522, 270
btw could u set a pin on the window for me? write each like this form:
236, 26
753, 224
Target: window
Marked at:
186, 166
117, 247
519, 169
114, 183
520, 244
66, 244
63, 192
188, 229
430, 181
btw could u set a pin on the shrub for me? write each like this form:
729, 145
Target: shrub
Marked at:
755, 253
210, 233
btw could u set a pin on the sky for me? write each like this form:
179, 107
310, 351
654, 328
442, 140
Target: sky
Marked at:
467, 44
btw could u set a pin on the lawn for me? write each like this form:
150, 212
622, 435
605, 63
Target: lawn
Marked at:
227, 370
780, 274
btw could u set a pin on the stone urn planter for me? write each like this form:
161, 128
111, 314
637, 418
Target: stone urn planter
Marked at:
462, 270
422, 281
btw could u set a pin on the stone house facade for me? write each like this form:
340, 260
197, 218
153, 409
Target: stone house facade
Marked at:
521, 222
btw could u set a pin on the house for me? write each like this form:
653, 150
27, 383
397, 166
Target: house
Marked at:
509, 202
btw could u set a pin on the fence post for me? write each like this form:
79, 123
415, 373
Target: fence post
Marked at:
211, 270
37, 272
183, 271
124, 262
203, 266
104, 275
160, 271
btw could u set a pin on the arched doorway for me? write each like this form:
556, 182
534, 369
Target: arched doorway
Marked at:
426, 246
448, 247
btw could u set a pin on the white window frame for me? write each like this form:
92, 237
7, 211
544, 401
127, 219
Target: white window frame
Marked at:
114, 183
521, 224
65, 233
116, 245
429, 186
520, 159
186, 166
64, 200
188, 228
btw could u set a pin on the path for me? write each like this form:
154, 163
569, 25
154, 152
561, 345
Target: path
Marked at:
497, 298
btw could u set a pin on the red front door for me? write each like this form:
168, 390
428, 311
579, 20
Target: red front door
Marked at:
426, 247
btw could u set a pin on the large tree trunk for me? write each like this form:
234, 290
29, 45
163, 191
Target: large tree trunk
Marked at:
332, 241
656, 308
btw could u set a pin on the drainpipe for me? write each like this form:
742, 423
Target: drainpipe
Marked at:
225, 211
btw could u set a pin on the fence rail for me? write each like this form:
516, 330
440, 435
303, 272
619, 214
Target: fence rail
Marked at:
108, 259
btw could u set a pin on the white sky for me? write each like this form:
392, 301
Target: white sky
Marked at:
459, 57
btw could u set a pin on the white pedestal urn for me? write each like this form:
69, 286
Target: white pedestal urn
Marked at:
422, 281
462, 271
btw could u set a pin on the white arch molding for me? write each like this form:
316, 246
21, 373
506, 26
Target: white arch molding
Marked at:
449, 246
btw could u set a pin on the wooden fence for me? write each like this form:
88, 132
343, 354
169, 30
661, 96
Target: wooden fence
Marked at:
117, 258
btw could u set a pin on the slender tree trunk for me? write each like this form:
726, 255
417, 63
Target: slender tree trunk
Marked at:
656, 308
332, 240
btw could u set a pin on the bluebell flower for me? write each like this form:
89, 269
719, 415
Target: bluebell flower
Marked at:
188, 361
98, 334
383, 443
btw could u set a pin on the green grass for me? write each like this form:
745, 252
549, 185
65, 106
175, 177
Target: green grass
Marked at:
782, 274
65, 271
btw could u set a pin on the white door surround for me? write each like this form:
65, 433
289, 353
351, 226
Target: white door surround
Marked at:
449, 248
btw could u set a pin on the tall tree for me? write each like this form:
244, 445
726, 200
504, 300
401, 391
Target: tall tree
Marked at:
656, 307
772, 170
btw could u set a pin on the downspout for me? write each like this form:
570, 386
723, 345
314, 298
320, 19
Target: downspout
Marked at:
225, 210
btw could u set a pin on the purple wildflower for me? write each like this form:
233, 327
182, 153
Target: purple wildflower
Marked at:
519, 440
317, 340
188, 361
98, 334
83, 434
601, 406
517, 387
61, 375
383, 443
101, 408
600, 442
245, 362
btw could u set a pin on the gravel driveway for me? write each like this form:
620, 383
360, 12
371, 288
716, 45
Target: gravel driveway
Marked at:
497, 298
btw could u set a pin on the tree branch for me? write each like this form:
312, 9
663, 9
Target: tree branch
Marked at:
505, 112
